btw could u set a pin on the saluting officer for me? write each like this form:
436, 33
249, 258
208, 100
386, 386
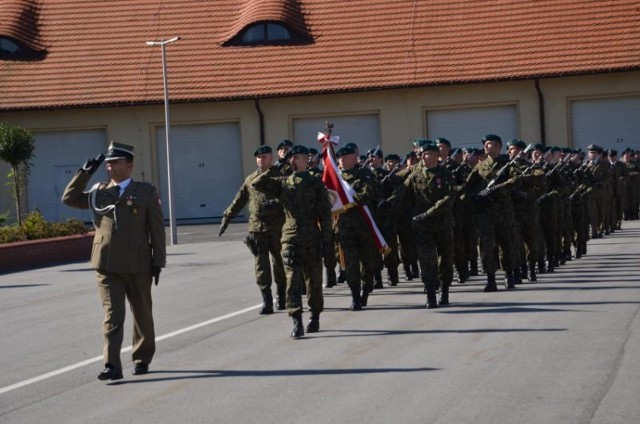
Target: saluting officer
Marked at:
128, 250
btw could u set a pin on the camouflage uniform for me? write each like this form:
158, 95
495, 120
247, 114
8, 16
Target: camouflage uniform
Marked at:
527, 216
633, 190
429, 191
386, 217
600, 176
265, 230
306, 235
494, 217
355, 237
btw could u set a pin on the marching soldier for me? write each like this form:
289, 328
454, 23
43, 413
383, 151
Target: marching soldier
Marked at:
128, 251
306, 235
490, 184
430, 198
282, 164
633, 186
526, 211
355, 239
600, 176
266, 217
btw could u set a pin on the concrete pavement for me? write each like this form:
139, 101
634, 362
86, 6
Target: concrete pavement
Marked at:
563, 350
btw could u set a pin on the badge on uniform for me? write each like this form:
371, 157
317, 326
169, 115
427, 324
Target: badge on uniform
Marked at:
131, 204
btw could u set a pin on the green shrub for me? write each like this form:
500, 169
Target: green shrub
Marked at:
35, 227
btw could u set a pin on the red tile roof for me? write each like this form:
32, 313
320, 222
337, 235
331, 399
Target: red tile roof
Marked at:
96, 51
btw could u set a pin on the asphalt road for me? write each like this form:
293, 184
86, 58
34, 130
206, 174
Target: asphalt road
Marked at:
564, 350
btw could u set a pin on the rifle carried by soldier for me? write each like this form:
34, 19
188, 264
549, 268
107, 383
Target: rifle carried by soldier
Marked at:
492, 186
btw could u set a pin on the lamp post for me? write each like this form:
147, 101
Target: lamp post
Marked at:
172, 215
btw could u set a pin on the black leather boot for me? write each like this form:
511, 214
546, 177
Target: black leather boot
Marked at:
331, 278
314, 323
298, 327
532, 273
444, 295
393, 276
407, 271
491, 283
517, 276
365, 295
342, 278
432, 301
509, 280
542, 269
356, 299
415, 270
473, 268
267, 303
377, 280
551, 263
281, 298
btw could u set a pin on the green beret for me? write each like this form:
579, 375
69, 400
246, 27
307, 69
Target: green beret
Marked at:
313, 151
346, 150
299, 149
518, 143
411, 154
613, 152
429, 147
491, 137
392, 156
418, 142
372, 151
540, 147
262, 150
555, 149
284, 143
354, 146
442, 140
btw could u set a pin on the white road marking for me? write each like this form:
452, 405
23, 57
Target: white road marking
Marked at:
126, 349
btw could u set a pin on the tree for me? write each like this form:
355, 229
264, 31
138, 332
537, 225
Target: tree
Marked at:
16, 148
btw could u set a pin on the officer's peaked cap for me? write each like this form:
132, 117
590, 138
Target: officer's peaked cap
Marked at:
119, 151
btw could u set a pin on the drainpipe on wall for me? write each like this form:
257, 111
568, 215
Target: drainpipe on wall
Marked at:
260, 119
543, 136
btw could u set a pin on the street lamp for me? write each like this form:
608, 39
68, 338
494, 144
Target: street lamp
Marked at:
172, 215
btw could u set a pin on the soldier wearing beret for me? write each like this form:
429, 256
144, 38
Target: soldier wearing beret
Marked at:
265, 230
451, 162
430, 198
620, 176
386, 216
306, 235
354, 236
282, 163
633, 187
471, 158
526, 212
128, 251
494, 210
600, 176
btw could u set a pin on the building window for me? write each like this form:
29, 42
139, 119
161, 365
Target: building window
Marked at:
12, 50
266, 34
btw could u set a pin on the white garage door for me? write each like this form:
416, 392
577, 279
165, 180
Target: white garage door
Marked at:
612, 123
466, 127
207, 169
363, 130
58, 155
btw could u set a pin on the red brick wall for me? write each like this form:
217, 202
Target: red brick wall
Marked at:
36, 253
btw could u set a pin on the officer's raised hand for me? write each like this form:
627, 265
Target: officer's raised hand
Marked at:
91, 165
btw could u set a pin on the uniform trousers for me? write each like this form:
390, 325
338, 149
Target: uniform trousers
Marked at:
114, 288
303, 265
268, 243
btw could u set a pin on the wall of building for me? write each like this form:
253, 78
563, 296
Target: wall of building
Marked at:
401, 114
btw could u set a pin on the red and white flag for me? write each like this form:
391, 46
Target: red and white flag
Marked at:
341, 192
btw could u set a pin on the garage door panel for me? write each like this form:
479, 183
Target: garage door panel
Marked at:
58, 155
465, 127
613, 123
360, 129
207, 169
